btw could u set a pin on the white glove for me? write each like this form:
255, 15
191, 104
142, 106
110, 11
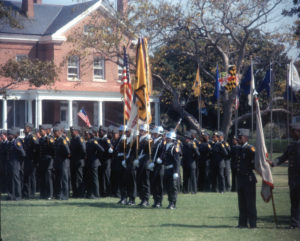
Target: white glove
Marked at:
110, 150
159, 161
136, 163
175, 176
124, 163
151, 166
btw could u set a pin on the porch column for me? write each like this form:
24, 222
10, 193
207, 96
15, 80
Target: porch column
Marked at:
29, 111
70, 113
39, 112
4, 114
100, 113
157, 113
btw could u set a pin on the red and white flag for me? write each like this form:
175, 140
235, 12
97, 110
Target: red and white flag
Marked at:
126, 88
261, 156
83, 115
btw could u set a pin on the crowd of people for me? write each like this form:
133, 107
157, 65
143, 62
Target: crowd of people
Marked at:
107, 162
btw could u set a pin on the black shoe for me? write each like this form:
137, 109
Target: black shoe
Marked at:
171, 206
241, 226
144, 204
131, 203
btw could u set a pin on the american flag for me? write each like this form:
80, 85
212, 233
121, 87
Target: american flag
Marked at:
83, 115
125, 88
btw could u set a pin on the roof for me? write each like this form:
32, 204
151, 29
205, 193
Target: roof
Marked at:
47, 18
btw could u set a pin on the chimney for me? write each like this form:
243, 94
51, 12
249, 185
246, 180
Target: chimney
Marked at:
37, 1
27, 8
122, 6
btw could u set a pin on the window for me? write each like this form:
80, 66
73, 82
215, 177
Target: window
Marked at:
73, 68
120, 69
99, 67
21, 57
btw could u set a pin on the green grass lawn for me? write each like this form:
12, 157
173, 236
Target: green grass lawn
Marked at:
204, 216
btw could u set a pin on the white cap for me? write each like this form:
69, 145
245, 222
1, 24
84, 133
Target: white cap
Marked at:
144, 127
158, 130
122, 128
171, 135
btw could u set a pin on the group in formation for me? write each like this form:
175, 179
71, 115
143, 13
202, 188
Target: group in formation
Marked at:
94, 162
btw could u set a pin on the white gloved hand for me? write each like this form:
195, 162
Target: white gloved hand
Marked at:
110, 150
136, 163
175, 176
159, 161
124, 163
151, 166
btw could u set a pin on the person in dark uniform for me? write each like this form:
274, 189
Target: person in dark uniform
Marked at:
93, 149
106, 162
292, 155
204, 162
15, 154
77, 162
31, 146
46, 151
190, 155
3, 161
62, 164
171, 163
234, 152
227, 162
218, 154
143, 171
246, 182
157, 179
130, 178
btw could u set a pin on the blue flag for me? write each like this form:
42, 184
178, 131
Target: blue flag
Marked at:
266, 83
246, 82
217, 85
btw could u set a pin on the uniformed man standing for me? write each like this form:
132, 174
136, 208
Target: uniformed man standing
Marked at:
226, 161
204, 162
16, 154
143, 171
31, 146
157, 179
46, 144
3, 161
77, 162
218, 155
234, 152
292, 155
106, 157
62, 164
93, 150
171, 161
246, 182
190, 155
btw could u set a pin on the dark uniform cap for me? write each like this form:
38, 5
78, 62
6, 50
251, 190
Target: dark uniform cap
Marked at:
30, 125
188, 134
56, 128
43, 127
204, 132
220, 133
234, 137
48, 126
193, 132
3, 132
216, 133
90, 131
75, 128
15, 131
103, 128
243, 132
94, 129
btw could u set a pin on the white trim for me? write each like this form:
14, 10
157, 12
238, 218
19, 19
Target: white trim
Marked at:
23, 38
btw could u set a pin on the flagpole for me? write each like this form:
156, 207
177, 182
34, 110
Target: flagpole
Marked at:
251, 92
236, 113
200, 109
271, 117
288, 104
218, 106
291, 74
274, 209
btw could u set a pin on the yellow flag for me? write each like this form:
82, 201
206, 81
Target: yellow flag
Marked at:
142, 85
197, 84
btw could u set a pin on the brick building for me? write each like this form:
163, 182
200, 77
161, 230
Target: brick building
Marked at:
44, 35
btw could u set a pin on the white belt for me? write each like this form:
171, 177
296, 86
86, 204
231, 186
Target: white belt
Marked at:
120, 154
169, 166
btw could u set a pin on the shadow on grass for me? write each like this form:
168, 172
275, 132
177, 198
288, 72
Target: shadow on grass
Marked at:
53, 203
195, 226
